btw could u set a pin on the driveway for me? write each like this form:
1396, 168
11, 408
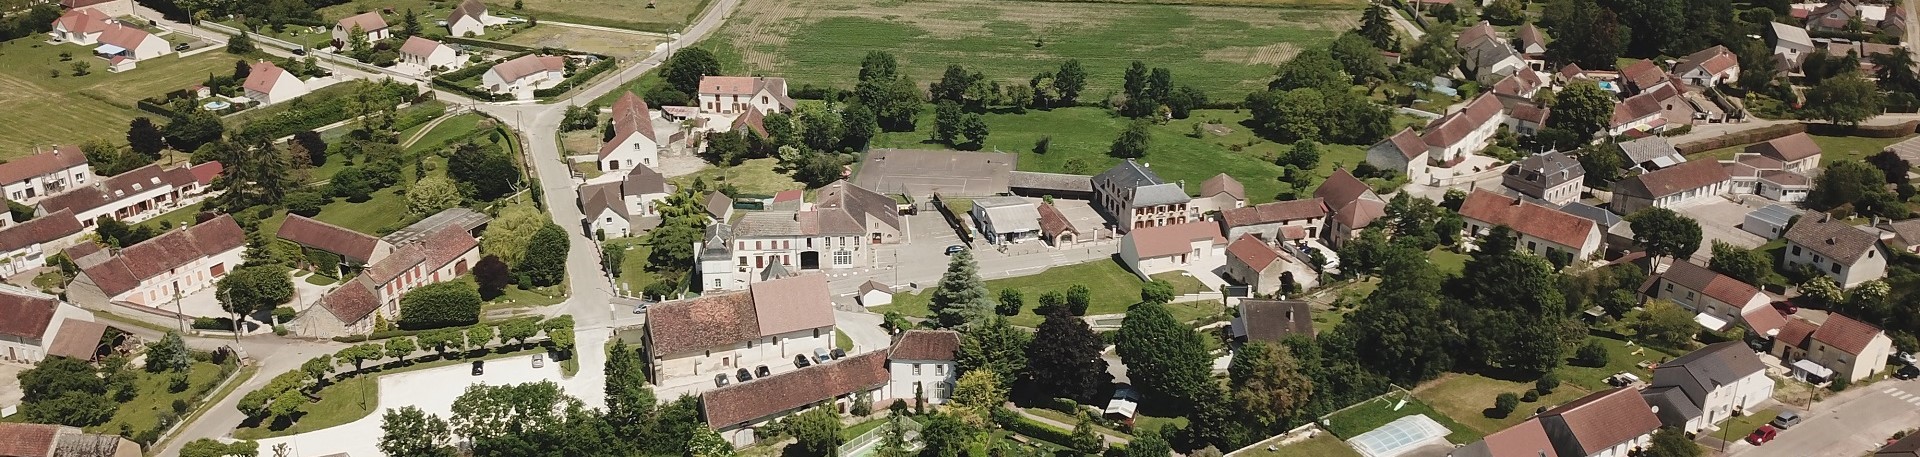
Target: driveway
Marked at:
10, 393
1720, 220
1849, 424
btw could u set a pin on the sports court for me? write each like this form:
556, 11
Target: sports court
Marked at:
921, 173
1406, 436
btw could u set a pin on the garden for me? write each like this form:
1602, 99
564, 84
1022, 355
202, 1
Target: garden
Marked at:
1110, 287
120, 397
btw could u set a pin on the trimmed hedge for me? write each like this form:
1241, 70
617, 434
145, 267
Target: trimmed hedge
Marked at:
1870, 131
1740, 138
580, 76
313, 114
1014, 422
399, 333
489, 44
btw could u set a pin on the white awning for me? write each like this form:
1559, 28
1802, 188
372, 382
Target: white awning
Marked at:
1711, 322
1122, 407
1809, 367
109, 49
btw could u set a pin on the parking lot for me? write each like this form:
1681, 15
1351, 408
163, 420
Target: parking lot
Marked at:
10, 384
1720, 219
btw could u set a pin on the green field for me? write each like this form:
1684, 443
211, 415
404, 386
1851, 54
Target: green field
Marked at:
1323, 445
1376, 412
1832, 147
1620, 357
72, 109
156, 399
1226, 51
1464, 397
664, 16
1114, 289
756, 176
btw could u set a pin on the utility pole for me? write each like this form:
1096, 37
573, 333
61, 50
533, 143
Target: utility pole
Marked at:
180, 313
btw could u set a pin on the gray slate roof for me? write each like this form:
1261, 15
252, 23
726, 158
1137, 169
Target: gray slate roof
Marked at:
1050, 181
1128, 174
1010, 214
1674, 407
715, 246
1159, 194
1698, 372
1837, 240
1652, 149
1775, 214
1593, 213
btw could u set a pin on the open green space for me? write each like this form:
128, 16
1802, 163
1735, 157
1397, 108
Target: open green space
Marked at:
1113, 287
1464, 397
1832, 147
634, 276
756, 176
1448, 261
42, 110
354, 397
1741, 426
155, 398
1323, 445
652, 16
1224, 50
1182, 282
178, 217
1373, 413
1621, 356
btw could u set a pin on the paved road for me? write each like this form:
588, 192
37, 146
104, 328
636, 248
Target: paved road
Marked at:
1848, 424
1399, 19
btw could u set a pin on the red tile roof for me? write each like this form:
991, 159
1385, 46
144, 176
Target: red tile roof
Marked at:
166, 252
1528, 218
1764, 320
43, 229
1531, 113
26, 316
1222, 183
206, 171
703, 322
1635, 108
352, 302
77, 339
1643, 74
263, 76
751, 120
792, 304
446, 245
27, 440
82, 21
1341, 188
1166, 240
748, 401
417, 46
1274, 212
1526, 439
1787, 148
1846, 334
527, 65
368, 22
1253, 252
1454, 127
328, 237
1795, 332
1603, 419
42, 164
942, 345
1052, 223
1675, 179
630, 116
1408, 143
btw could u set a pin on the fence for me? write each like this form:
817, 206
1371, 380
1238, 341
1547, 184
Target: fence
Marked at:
909, 431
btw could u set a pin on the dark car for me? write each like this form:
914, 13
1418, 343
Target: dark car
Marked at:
720, 380
743, 375
299, 51
479, 367
800, 361
762, 372
1785, 307
839, 354
181, 47
1762, 435
1907, 372
955, 249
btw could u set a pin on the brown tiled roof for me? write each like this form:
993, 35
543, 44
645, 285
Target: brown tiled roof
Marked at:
1906, 447
1530, 36
1531, 113
1454, 127
1481, 31
125, 37
1602, 419
596, 199
116, 188
791, 304
1795, 332
1408, 143
1837, 240
1360, 214
26, 316
704, 322
262, 77
27, 440
85, 253
1635, 108
468, 8
1846, 334
1274, 320
352, 302
1341, 188
1710, 60
1643, 73
328, 237
747, 85
1675, 179
642, 180
529, 64
446, 245
1787, 148
1526, 439
77, 339
1052, 223
1275, 212
368, 22
59, 158
1221, 183
630, 116
43, 229
1785, 178
1528, 218
943, 345
83, 21
843, 207
1516, 85
396, 263
1166, 240
204, 173
745, 402
1763, 320
751, 120
1253, 252
718, 204
1571, 71
1720, 287
417, 46
166, 252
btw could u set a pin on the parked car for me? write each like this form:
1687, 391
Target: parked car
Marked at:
743, 375
1786, 420
955, 249
762, 372
640, 308
539, 360
1907, 372
1785, 307
300, 51
720, 380
800, 361
1762, 435
479, 367
181, 47
838, 354
820, 355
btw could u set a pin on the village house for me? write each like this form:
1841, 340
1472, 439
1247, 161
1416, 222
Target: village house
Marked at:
1277, 221
1403, 152
1848, 254
442, 253
34, 326
741, 94
1151, 250
1903, 235
1488, 56
1055, 228
1766, 177
1266, 269
738, 410
156, 271
874, 293
635, 142
134, 196
269, 84
1531, 42
1526, 439
1464, 132
120, 44
922, 364
79, 26
773, 325
1640, 113
1839, 16
26, 245
1551, 176
1908, 446
1526, 119
1651, 153
525, 74
1709, 67
41, 440
719, 207
356, 250
1839, 348
1540, 229
625, 207
838, 231
1796, 152
1719, 300
1134, 197
369, 25
1353, 203
1220, 193
1708, 385
470, 19
429, 55
1271, 321
1644, 76
1006, 219
1608, 423
1519, 87
1791, 44
1671, 187
28, 179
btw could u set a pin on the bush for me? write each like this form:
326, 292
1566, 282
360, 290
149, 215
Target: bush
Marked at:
447, 304
1013, 422
284, 314
1504, 405
213, 323
316, 113
1548, 382
1593, 355
1530, 396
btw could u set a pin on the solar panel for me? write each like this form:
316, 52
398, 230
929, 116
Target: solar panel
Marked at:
1397, 437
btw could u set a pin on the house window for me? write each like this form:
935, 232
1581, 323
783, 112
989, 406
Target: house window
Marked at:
1796, 250
1835, 268
1689, 295
743, 260
843, 258
940, 370
916, 369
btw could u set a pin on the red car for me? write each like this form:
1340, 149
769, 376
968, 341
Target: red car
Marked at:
1762, 435
1785, 307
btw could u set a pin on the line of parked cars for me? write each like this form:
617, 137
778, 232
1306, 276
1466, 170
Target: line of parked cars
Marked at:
1782, 421
820, 356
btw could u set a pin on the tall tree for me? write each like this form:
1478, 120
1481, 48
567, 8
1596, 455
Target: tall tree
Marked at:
488, 170
1375, 27
1069, 81
408, 431
1665, 233
1133, 142
1747, 265
1846, 99
1311, 69
1665, 325
431, 195
66, 391
1594, 41
189, 129
145, 138
253, 289
630, 402
1064, 358
997, 346
961, 297
168, 354
1844, 182
410, 27
546, 259
1582, 108
1165, 358
818, 431
1672, 442
1268, 386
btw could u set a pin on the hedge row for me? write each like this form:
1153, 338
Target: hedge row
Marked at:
1014, 422
489, 44
313, 114
399, 333
1870, 131
579, 77
1740, 138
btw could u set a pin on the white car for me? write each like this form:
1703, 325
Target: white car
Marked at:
539, 360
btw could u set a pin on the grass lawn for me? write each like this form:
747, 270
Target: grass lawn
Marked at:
1082, 136
1182, 282
842, 341
453, 128
350, 399
1374, 413
1113, 287
1831, 147
1740, 427
1225, 51
1620, 357
755, 176
1071, 421
620, 45
1324, 445
855, 430
1144, 423
1447, 261
178, 217
377, 216
634, 276
1193, 311
1465, 396
155, 398
653, 16
72, 109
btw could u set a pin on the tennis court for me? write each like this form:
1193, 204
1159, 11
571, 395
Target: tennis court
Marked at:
1407, 436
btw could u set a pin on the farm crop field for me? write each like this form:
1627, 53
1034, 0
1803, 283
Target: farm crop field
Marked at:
46, 104
1224, 50
660, 16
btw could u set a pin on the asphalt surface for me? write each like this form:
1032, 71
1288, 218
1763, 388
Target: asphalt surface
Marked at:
1848, 424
